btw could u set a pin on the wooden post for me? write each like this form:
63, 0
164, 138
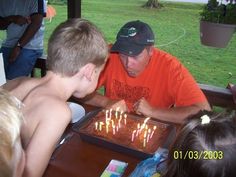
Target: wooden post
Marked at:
73, 9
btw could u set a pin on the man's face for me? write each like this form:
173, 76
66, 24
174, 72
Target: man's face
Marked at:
135, 65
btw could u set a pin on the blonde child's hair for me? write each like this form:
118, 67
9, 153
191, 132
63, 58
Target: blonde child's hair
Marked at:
10, 123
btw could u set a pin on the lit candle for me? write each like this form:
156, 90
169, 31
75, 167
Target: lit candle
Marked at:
107, 114
117, 110
149, 133
132, 138
100, 125
112, 123
117, 128
145, 134
121, 114
96, 125
119, 123
125, 117
142, 127
154, 128
138, 126
113, 130
107, 128
137, 132
144, 142
145, 121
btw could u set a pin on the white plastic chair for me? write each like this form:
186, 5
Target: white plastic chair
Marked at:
2, 71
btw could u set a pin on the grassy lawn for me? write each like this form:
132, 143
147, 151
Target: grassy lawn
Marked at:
176, 27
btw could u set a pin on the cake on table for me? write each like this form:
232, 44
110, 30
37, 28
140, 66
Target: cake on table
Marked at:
138, 133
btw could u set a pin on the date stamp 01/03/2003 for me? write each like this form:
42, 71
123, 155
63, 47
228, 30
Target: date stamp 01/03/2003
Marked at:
195, 155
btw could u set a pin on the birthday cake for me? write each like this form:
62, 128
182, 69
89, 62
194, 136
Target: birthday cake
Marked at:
127, 130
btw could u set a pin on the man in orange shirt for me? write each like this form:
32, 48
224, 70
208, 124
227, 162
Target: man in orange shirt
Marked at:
143, 79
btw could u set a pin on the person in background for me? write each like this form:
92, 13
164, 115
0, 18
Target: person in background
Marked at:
77, 52
141, 78
12, 156
206, 147
23, 22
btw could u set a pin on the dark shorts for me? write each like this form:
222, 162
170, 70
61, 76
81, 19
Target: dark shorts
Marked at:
23, 64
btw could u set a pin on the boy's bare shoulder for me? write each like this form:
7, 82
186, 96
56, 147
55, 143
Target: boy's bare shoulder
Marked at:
50, 108
56, 107
21, 86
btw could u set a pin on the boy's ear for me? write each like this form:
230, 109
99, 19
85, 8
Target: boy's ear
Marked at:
87, 70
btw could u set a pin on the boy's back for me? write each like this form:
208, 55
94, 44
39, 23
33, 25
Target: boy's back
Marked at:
46, 117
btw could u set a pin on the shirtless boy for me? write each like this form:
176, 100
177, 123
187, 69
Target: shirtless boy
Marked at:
77, 53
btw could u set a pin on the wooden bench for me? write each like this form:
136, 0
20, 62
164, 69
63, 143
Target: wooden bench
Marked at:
217, 96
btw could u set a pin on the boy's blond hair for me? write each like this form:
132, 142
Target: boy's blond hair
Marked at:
10, 123
73, 44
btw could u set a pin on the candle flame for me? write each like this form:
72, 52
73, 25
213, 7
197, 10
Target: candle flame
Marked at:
138, 125
145, 121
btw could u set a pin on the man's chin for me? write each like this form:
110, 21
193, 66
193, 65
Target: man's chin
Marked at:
132, 74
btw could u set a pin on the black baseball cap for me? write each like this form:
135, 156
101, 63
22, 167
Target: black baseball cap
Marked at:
133, 37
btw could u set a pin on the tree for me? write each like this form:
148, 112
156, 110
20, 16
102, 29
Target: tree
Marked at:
153, 4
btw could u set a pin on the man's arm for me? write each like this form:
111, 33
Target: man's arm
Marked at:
4, 23
36, 22
99, 100
33, 27
175, 114
17, 19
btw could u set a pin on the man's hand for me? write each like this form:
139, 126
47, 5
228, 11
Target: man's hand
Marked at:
19, 20
114, 104
143, 107
14, 54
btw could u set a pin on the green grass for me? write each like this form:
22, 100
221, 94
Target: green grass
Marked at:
208, 65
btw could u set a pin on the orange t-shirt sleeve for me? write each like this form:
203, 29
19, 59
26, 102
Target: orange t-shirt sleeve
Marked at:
184, 87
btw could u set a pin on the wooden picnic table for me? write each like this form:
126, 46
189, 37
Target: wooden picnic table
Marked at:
77, 158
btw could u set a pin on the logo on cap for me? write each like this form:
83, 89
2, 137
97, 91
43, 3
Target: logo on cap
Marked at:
132, 31
128, 32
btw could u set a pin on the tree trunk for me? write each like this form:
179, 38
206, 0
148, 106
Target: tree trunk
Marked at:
153, 4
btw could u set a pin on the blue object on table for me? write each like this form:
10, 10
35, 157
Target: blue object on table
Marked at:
150, 166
